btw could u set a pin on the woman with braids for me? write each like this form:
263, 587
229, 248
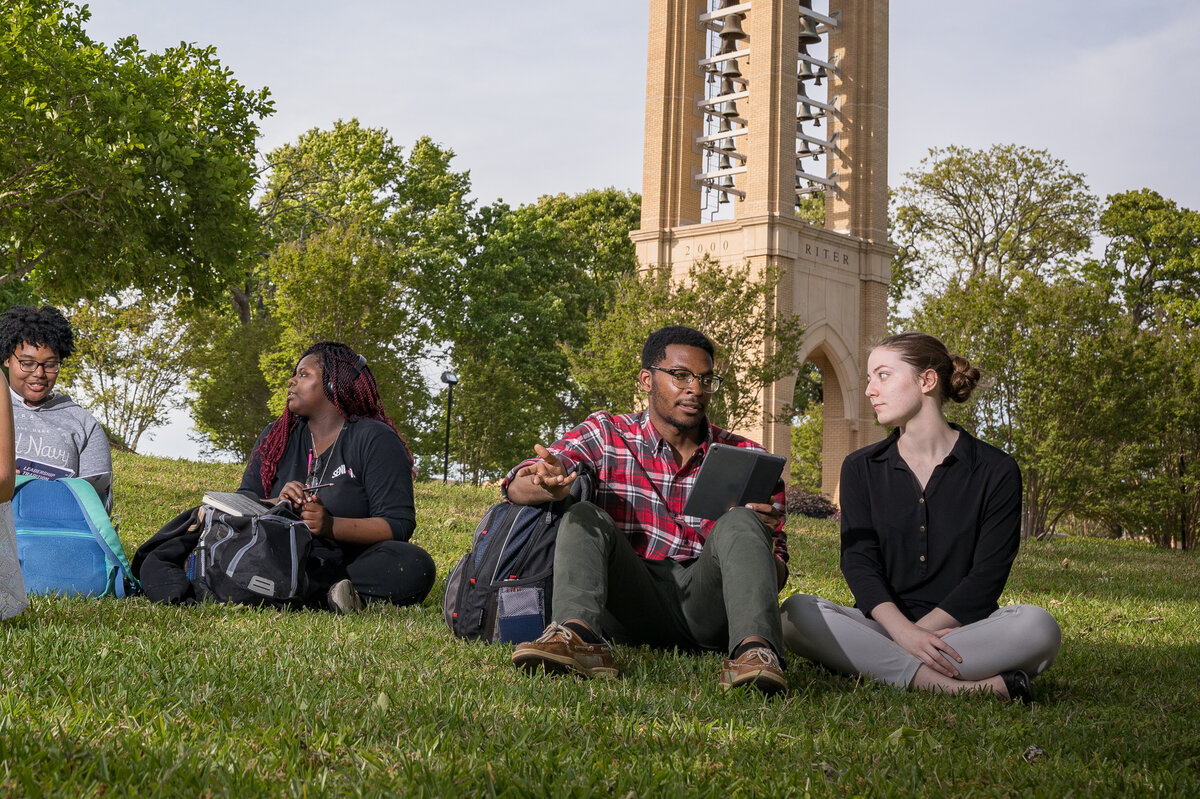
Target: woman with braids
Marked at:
55, 437
336, 456
931, 520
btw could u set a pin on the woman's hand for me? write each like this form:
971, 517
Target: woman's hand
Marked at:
293, 492
929, 648
314, 514
925, 645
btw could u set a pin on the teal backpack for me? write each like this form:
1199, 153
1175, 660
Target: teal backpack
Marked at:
65, 541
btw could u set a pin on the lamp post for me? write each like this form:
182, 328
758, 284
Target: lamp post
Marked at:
450, 379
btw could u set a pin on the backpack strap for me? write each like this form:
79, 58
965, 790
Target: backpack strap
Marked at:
103, 530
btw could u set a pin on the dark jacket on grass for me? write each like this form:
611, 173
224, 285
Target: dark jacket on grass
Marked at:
160, 562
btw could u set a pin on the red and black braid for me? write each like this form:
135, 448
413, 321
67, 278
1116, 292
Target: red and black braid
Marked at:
349, 385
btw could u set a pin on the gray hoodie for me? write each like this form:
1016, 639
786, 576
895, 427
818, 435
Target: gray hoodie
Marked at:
60, 439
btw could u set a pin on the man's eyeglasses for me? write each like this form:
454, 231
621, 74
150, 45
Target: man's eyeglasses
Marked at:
682, 378
30, 366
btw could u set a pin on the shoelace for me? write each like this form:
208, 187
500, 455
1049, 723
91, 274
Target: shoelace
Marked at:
764, 656
554, 630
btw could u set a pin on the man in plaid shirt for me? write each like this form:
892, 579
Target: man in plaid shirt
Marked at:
630, 565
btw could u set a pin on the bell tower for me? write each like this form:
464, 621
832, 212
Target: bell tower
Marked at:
751, 107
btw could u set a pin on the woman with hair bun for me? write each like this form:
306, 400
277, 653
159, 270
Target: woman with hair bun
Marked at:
931, 522
337, 457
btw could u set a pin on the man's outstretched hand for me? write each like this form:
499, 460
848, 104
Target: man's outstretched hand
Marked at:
547, 474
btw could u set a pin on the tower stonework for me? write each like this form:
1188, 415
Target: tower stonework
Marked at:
834, 277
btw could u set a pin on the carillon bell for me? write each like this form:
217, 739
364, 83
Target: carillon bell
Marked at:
805, 72
808, 25
732, 28
726, 144
805, 114
808, 30
729, 69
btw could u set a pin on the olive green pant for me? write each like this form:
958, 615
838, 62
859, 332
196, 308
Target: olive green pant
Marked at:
715, 601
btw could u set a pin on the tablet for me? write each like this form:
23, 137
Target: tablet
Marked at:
730, 477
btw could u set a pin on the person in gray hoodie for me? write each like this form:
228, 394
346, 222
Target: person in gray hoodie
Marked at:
54, 436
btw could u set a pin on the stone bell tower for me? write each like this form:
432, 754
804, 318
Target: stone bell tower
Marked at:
750, 107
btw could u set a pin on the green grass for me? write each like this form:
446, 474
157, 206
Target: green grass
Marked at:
128, 698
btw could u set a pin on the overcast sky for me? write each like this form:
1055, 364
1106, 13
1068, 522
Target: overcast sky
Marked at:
547, 96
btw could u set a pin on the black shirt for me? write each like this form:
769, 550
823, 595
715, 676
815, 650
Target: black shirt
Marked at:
951, 546
369, 467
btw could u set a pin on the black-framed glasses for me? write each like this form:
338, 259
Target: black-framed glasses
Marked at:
29, 366
682, 378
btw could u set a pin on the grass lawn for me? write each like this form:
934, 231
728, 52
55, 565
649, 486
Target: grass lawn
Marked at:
129, 698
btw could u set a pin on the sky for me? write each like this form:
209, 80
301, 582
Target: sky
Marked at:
547, 96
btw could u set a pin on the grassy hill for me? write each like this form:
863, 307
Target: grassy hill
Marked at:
126, 697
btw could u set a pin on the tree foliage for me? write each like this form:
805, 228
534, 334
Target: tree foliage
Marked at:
130, 362
965, 213
731, 305
120, 167
229, 398
1153, 256
1061, 383
1093, 364
1152, 268
361, 236
343, 285
807, 449
533, 276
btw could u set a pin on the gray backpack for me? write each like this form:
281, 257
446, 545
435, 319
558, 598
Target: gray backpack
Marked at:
252, 560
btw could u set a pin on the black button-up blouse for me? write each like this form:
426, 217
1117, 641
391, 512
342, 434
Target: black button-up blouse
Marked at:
949, 546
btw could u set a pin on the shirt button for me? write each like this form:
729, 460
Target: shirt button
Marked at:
922, 528
921, 500
922, 558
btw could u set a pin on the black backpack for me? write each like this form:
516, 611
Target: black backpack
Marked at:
251, 560
501, 589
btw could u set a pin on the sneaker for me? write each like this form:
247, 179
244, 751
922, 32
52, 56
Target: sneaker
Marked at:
343, 599
758, 667
561, 650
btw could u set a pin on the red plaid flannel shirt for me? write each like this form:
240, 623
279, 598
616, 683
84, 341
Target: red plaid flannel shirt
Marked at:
640, 487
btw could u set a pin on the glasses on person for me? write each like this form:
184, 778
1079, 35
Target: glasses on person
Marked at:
682, 378
30, 366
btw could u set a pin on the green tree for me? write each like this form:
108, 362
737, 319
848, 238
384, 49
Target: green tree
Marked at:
807, 449
130, 362
1063, 382
1153, 256
731, 305
992, 241
343, 285
1001, 212
1152, 264
362, 238
120, 167
229, 399
524, 293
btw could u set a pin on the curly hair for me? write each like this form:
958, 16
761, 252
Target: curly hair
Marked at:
655, 348
349, 385
41, 327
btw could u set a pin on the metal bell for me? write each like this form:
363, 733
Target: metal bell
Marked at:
732, 28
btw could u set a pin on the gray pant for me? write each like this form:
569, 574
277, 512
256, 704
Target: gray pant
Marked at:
843, 639
715, 601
